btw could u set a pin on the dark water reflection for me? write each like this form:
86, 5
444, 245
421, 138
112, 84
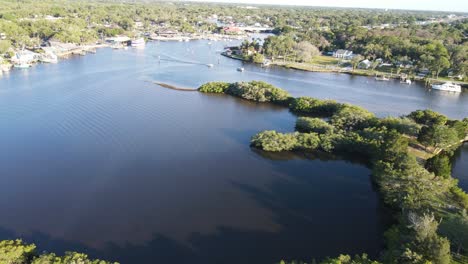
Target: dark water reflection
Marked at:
460, 166
97, 159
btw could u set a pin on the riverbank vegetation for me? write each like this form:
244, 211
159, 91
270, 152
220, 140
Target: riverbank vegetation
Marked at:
410, 42
425, 50
17, 252
426, 201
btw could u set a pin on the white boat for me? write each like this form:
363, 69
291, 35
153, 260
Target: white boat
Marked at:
22, 65
407, 81
383, 78
117, 46
448, 86
266, 63
209, 43
49, 60
240, 69
140, 42
210, 65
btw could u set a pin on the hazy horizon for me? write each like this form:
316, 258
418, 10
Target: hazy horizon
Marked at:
429, 5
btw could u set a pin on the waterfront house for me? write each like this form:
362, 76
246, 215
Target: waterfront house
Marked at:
423, 72
25, 57
119, 40
365, 64
2, 36
343, 54
232, 30
167, 33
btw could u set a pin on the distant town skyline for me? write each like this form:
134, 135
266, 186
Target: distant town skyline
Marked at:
432, 5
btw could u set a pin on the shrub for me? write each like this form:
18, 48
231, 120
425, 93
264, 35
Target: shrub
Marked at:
403, 125
258, 91
308, 141
258, 58
14, 251
460, 126
460, 196
352, 117
440, 166
274, 141
214, 87
428, 117
346, 259
439, 136
309, 124
329, 141
312, 106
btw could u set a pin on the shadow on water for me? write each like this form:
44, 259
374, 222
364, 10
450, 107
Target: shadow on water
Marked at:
310, 208
460, 166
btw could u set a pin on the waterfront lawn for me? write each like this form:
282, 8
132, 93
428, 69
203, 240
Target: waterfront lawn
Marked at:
325, 60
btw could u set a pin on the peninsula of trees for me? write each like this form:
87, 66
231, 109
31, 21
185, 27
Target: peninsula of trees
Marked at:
430, 209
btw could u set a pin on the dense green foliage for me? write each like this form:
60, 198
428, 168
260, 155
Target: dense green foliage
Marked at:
403, 125
257, 91
310, 124
16, 252
428, 117
351, 117
313, 106
274, 141
214, 87
342, 259
440, 166
420, 196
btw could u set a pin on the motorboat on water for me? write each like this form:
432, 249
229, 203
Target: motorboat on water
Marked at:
448, 86
210, 65
140, 42
117, 46
383, 78
240, 69
22, 65
49, 59
266, 63
407, 81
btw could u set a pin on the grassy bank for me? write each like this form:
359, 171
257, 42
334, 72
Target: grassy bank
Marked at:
330, 64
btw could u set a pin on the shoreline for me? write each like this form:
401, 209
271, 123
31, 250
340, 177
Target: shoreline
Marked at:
319, 69
83, 50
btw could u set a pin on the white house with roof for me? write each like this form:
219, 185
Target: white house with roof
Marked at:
365, 64
343, 54
25, 57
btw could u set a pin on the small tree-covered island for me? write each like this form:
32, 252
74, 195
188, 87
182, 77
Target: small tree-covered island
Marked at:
409, 157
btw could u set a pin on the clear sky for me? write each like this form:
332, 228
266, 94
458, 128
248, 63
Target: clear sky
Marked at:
438, 5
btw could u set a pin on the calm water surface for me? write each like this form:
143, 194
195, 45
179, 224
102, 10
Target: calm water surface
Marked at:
460, 167
98, 159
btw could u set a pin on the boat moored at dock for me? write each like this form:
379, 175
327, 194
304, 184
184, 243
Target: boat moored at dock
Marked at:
140, 42
382, 78
22, 65
448, 86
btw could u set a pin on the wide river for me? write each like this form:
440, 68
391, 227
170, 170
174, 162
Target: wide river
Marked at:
98, 159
